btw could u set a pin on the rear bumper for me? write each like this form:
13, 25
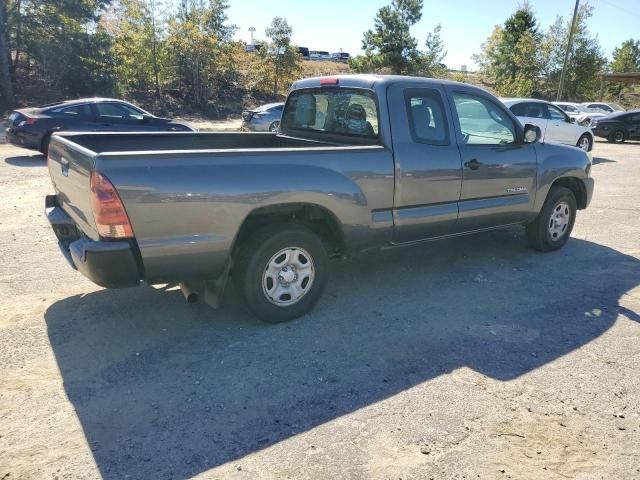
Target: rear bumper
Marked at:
23, 139
111, 264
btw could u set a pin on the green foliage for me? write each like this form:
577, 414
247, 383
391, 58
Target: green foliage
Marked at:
58, 48
626, 57
390, 45
277, 64
136, 49
199, 59
510, 56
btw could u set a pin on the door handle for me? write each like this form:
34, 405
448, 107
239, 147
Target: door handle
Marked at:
473, 164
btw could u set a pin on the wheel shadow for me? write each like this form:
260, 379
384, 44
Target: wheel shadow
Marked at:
163, 389
599, 160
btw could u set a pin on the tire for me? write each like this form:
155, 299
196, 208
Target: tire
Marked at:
44, 145
552, 227
585, 142
274, 126
265, 289
617, 137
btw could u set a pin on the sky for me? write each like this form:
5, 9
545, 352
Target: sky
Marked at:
332, 25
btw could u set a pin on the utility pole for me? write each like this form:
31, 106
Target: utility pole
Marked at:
568, 51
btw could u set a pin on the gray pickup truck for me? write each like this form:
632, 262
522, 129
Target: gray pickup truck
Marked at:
360, 163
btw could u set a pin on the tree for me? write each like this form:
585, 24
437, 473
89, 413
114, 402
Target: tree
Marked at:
278, 62
626, 57
200, 51
135, 45
428, 63
5, 60
60, 50
510, 56
390, 45
586, 59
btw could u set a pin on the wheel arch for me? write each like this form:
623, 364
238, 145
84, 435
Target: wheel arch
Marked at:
578, 188
317, 218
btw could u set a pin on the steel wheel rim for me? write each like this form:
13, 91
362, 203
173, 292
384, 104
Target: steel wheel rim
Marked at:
288, 276
274, 126
559, 221
618, 136
584, 144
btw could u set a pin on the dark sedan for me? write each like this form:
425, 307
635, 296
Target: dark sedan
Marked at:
619, 127
33, 127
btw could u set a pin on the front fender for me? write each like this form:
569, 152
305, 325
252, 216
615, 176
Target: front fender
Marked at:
560, 161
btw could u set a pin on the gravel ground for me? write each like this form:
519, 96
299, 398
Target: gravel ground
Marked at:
472, 358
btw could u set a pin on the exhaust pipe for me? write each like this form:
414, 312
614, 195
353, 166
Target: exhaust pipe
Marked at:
189, 293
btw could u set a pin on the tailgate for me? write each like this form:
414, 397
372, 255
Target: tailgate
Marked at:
70, 168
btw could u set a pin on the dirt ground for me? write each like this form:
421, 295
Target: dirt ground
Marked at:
472, 358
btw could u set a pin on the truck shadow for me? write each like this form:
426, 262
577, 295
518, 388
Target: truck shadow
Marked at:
167, 390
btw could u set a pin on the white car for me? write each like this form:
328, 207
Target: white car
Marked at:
606, 107
556, 126
584, 116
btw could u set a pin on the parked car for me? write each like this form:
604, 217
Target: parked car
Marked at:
263, 119
619, 127
33, 127
604, 106
342, 57
556, 126
319, 55
304, 51
361, 163
584, 116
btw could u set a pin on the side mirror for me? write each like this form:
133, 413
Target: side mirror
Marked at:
146, 118
572, 119
532, 133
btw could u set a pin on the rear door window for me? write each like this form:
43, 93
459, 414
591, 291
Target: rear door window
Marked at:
426, 116
529, 109
333, 112
80, 112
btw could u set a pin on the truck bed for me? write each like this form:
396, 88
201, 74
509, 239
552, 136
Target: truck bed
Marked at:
184, 141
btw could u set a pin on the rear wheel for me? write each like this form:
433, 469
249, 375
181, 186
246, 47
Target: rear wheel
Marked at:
585, 142
617, 137
281, 271
552, 227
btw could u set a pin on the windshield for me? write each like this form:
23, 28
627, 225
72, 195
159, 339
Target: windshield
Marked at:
333, 111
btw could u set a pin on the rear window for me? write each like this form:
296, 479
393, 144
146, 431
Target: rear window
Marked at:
341, 112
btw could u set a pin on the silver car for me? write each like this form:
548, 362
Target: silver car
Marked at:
263, 119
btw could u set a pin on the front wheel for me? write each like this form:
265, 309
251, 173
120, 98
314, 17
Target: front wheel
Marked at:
585, 142
281, 271
274, 126
553, 225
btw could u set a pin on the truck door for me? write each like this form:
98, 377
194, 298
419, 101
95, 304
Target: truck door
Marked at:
427, 163
499, 169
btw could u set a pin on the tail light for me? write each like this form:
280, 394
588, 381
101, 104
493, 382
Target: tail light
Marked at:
108, 211
28, 121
